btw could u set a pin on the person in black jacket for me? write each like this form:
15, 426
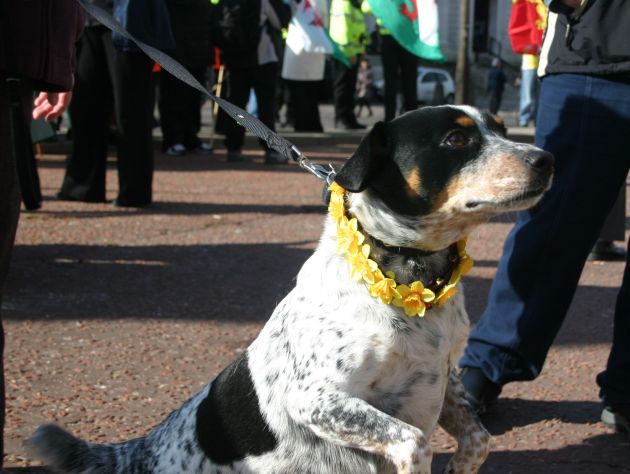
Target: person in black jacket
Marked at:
583, 119
37, 45
180, 104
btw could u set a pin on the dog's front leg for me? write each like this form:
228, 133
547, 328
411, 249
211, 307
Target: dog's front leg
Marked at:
461, 422
351, 422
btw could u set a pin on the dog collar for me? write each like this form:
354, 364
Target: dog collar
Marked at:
414, 298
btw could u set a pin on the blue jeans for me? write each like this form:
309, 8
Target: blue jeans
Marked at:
584, 121
528, 96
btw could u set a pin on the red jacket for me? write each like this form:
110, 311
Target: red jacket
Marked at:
37, 41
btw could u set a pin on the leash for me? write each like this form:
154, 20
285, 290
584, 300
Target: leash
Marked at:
249, 122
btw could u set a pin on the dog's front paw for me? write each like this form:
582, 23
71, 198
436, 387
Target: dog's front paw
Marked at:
412, 456
470, 454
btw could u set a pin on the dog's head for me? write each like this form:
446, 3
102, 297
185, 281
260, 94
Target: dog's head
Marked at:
425, 179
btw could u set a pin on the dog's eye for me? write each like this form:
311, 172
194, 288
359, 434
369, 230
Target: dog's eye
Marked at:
456, 139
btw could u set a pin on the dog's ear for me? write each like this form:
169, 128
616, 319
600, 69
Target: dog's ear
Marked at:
366, 162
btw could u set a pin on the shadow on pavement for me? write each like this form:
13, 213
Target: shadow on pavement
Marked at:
197, 282
509, 413
602, 454
186, 209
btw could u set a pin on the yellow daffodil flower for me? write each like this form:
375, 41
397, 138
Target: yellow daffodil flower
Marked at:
336, 189
336, 208
414, 298
465, 264
348, 237
384, 287
447, 292
362, 266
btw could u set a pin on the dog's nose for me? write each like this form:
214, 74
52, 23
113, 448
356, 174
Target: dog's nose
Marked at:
539, 159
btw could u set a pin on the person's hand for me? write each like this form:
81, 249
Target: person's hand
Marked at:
51, 105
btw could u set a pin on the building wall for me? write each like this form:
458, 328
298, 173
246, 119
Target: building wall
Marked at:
499, 16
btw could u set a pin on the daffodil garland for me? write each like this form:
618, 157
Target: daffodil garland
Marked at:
414, 298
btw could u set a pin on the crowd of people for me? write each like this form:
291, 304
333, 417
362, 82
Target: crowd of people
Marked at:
582, 116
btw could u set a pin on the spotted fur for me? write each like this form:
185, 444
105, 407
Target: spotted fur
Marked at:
338, 382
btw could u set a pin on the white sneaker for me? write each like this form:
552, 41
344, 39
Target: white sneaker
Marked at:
176, 150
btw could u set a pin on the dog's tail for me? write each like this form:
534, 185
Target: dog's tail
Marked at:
64, 453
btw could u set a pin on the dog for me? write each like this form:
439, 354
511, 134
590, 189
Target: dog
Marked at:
340, 380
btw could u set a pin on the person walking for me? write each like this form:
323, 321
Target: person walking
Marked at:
37, 52
583, 119
348, 29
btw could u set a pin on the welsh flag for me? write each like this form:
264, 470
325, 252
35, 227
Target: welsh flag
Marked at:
307, 33
414, 24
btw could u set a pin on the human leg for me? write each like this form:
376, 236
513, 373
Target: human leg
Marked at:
344, 88
409, 79
538, 272
527, 98
134, 104
9, 211
389, 59
239, 85
174, 119
90, 114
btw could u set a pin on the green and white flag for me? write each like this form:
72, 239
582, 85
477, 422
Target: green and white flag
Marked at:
414, 24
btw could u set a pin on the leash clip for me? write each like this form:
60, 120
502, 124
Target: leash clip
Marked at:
318, 170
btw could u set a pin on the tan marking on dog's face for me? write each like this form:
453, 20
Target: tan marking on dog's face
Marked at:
414, 183
465, 121
499, 178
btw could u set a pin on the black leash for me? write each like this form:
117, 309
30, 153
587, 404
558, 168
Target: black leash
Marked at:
251, 123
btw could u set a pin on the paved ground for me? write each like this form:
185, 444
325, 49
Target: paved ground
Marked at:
115, 317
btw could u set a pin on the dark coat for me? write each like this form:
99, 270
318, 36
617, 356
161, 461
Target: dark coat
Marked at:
190, 20
37, 39
147, 21
593, 41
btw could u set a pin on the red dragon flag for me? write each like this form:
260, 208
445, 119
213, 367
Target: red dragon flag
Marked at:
414, 24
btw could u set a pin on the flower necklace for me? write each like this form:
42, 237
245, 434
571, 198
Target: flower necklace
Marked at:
414, 298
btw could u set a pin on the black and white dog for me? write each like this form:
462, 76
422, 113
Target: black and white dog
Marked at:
339, 381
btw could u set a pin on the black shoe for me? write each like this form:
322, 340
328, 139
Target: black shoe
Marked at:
481, 392
616, 416
607, 251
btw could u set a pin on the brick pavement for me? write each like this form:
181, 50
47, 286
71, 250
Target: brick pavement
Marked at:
115, 317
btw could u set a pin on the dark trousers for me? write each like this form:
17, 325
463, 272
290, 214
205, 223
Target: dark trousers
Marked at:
344, 87
304, 98
180, 110
91, 113
135, 98
400, 67
9, 211
496, 96
584, 122
240, 81
108, 80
